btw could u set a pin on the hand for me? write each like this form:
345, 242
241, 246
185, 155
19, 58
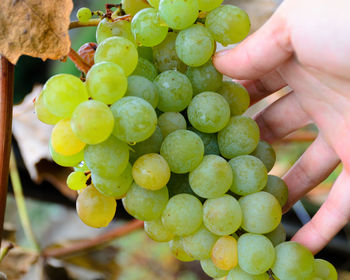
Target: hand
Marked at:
305, 45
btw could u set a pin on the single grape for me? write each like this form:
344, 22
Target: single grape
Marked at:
141, 87
195, 45
157, 232
76, 180
211, 270
87, 53
208, 5
236, 95
171, 121
107, 28
266, 154
224, 253
210, 142
177, 249
81, 167
43, 113
133, 6
325, 270
145, 69
278, 188
92, 122
183, 150
66, 161
278, 235
151, 145
84, 14
95, 209
238, 273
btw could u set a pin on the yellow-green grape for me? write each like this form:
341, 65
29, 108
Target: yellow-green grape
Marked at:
151, 145
43, 113
199, 244
249, 175
208, 5
84, 14
256, 253
141, 87
66, 161
278, 188
154, 3
133, 6
208, 112
135, 119
178, 14
64, 141
145, 205
228, 24
114, 187
147, 29
118, 50
183, 214
157, 232
177, 249
95, 209
239, 137
210, 142
278, 235
238, 273
266, 154
183, 150
151, 172
325, 270
293, 261
107, 28
145, 69
81, 167
236, 95
76, 180
262, 212
62, 93
171, 121
92, 122
106, 82
224, 253
195, 45
211, 270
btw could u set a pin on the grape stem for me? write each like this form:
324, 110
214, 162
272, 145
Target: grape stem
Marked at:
6, 102
78, 61
92, 243
91, 22
5, 251
270, 274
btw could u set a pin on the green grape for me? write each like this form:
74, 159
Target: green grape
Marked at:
224, 253
76, 180
165, 57
212, 177
92, 122
145, 205
151, 172
183, 214
278, 188
325, 270
143, 88
178, 184
208, 112
171, 121
135, 119
236, 95
64, 141
195, 45
146, 53
157, 232
208, 5
178, 14
211, 270
177, 249
183, 150
278, 235
106, 82
107, 28
223, 215
146, 28
133, 6
107, 159
62, 93
84, 14
81, 167
261, 211
118, 50
43, 113
115, 187
204, 78
293, 261
210, 142
145, 69
266, 154
249, 175
66, 161
239, 137
175, 91
256, 253
154, 3
238, 273
228, 24
95, 209
151, 145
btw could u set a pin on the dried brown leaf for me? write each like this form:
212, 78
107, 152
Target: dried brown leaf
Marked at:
37, 28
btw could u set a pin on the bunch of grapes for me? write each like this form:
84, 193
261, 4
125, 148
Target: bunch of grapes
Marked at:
154, 124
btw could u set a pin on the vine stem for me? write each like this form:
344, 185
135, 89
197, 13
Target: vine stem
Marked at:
5, 251
6, 102
21, 205
91, 22
78, 61
87, 244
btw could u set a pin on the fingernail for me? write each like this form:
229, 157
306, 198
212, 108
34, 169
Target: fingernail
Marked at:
222, 53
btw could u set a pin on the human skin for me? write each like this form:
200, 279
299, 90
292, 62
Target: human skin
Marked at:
305, 45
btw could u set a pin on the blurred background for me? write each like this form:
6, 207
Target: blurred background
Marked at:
51, 205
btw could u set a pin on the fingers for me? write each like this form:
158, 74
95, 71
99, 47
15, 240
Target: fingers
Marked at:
260, 53
333, 215
281, 118
313, 167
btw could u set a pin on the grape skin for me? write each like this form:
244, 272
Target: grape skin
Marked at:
141, 87
84, 14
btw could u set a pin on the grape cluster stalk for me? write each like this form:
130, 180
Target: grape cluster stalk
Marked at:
154, 125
